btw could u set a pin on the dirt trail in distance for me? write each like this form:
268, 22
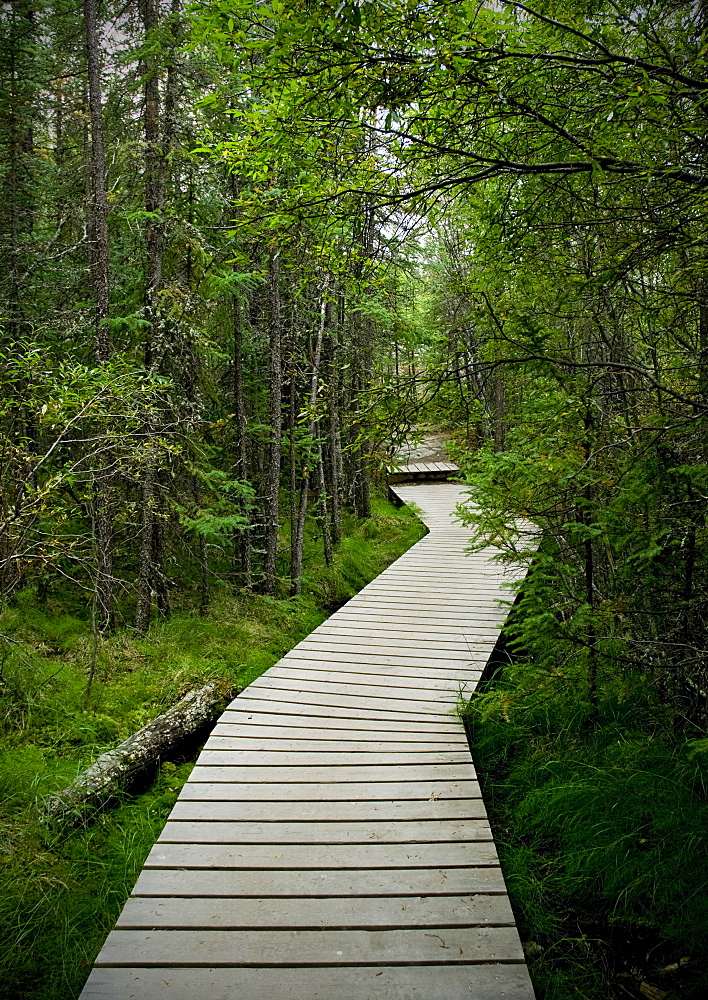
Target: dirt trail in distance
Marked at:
433, 448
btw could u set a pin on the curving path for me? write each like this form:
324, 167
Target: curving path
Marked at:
331, 842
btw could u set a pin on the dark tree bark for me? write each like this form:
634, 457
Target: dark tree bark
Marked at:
334, 436
99, 200
18, 204
242, 541
310, 460
159, 134
159, 128
154, 195
325, 504
292, 456
144, 605
97, 212
272, 477
499, 410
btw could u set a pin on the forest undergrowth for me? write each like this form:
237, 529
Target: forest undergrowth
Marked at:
600, 815
60, 894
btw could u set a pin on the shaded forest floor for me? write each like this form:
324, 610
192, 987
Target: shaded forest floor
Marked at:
59, 894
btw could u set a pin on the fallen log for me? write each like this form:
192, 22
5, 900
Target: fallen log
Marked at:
117, 769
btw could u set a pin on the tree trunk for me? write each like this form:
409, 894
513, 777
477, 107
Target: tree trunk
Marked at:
498, 390
292, 457
325, 504
144, 605
242, 541
159, 577
159, 134
97, 212
333, 470
589, 565
99, 200
296, 567
272, 478
21, 38
113, 772
154, 197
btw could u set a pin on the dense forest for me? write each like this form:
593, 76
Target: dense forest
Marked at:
249, 248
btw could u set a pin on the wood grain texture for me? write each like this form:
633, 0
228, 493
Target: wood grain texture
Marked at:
356, 912
335, 760
331, 708
361, 774
391, 658
394, 792
255, 729
321, 812
233, 738
237, 714
460, 945
264, 856
190, 883
430, 982
308, 832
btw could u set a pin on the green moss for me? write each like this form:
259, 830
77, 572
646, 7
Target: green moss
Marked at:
59, 896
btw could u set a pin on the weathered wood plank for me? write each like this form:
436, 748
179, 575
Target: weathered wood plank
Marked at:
357, 703
415, 729
404, 684
456, 639
400, 649
361, 709
310, 758
432, 632
338, 856
352, 832
417, 603
363, 696
469, 574
365, 657
436, 678
461, 945
451, 982
330, 811
480, 582
238, 741
420, 591
383, 671
424, 644
329, 791
362, 773
353, 913
290, 677
253, 730
429, 623
299, 883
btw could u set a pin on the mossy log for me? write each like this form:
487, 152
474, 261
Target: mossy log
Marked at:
117, 769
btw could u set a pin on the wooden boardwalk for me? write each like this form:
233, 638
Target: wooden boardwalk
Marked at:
423, 471
331, 843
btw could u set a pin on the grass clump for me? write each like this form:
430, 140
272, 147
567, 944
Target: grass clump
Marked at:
60, 894
601, 818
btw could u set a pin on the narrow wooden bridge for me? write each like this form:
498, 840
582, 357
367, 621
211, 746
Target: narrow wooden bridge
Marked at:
331, 843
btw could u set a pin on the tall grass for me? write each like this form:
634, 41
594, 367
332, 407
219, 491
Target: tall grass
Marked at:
602, 824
